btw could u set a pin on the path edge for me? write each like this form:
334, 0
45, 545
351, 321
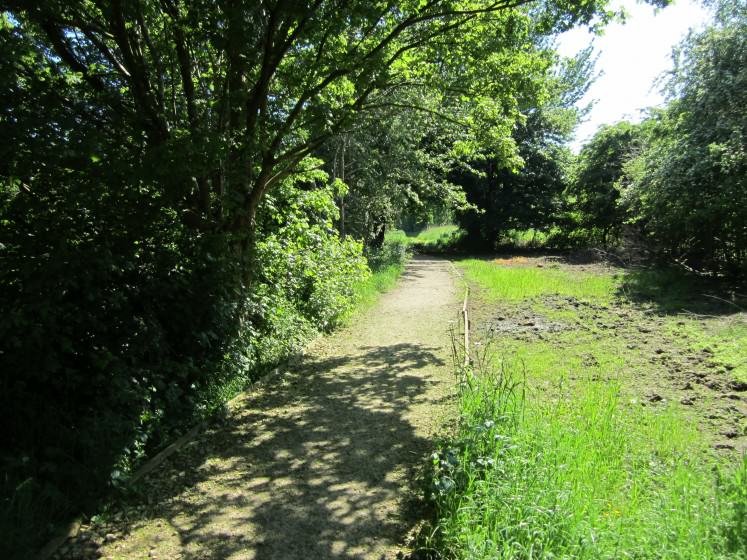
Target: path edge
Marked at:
72, 529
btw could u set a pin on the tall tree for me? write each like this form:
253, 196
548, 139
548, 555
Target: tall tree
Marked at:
526, 194
688, 188
595, 188
235, 95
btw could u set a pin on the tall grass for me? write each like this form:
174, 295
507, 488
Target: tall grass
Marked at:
514, 283
579, 475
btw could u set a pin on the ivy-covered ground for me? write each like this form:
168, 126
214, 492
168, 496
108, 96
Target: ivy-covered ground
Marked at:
317, 463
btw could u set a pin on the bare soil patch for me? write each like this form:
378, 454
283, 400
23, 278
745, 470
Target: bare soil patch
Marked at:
664, 364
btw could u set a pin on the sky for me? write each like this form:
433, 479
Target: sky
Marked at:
631, 57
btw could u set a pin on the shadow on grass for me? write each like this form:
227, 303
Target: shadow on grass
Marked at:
669, 290
672, 291
308, 468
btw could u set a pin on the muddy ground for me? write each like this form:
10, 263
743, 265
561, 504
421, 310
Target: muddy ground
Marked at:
664, 363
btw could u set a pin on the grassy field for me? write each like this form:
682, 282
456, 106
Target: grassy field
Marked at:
598, 422
431, 237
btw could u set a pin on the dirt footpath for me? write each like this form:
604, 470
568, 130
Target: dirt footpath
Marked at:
318, 464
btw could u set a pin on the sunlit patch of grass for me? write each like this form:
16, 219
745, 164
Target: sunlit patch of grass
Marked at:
724, 336
516, 283
524, 238
431, 237
569, 355
729, 343
396, 235
578, 473
435, 234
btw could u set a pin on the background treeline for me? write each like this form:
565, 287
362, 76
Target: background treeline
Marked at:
671, 188
190, 190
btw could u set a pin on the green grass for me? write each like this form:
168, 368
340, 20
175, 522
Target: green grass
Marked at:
435, 234
522, 239
397, 235
555, 457
429, 238
729, 344
579, 475
515, 283
367, 293
387, 264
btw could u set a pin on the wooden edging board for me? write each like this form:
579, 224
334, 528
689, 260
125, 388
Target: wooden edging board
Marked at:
465, 319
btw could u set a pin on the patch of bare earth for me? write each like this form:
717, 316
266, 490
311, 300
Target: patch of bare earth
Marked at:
318, 464
662, 365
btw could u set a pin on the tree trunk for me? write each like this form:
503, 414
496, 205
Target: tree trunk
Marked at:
378, 240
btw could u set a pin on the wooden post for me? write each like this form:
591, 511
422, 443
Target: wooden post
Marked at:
465, 318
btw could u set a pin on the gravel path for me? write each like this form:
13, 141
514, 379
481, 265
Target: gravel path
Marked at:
318, 464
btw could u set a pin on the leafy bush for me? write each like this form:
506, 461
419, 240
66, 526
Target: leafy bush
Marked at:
123, 326
394, 251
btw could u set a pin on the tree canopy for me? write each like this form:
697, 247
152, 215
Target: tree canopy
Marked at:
595, 184
239, 93
687, 189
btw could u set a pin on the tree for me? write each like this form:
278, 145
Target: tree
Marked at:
594, 187
236, 95
394, 164
687, 189
522, 195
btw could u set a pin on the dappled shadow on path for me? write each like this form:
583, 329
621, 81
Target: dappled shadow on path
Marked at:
309, 467
417, 268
